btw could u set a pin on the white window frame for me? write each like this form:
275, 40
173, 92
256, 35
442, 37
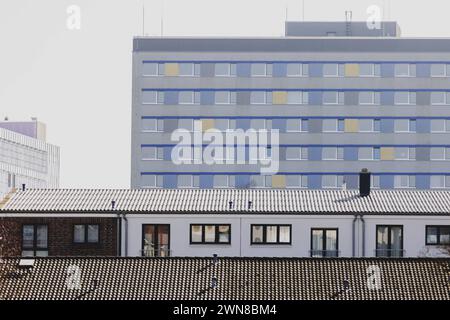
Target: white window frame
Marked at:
258, 75
402, 131
331, 75
336, 180
230, 127
186, 75
223, 75
336, 151
151, 75
303, 95
446, 98
223, 103
439, 76
445, 126
299, 121
300, 177
156, 126
372, 154
150, 103
191, 185
408, 75
402, 103
258, 103
337, 94
371, 121
186, 103
408, 154
336, 127
265, 178
409, 177
444, 178
156, 158
228, 182
300, 154
373, 74
157, 184
444, 154
374, 101
294, 75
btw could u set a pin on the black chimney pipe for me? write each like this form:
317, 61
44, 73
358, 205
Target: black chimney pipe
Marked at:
364, 183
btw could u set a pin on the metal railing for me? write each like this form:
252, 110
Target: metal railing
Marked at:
161, 251
324, 253
389, 253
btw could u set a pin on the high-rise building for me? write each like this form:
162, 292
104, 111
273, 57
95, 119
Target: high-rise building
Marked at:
26, 158
344, 96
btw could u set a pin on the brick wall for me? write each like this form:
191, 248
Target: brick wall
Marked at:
60, 236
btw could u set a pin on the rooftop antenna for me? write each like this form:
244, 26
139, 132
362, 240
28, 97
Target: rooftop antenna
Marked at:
143, 19
303, 10
162, 18
348, 23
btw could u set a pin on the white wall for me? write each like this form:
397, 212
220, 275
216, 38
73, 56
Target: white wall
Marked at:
413, 228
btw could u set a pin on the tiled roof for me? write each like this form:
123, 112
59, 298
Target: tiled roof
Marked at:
237, 278
218, 201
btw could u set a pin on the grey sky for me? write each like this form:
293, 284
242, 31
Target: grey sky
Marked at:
79, 82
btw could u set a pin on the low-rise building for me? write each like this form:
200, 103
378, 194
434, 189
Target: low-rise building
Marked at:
228, 222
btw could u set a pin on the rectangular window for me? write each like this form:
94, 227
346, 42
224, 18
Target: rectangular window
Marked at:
225, 97
188, 181
210, 234
332, 181
405, 98
296, 125
332, 153
369, 70
440, 98
324, 243
261, 70
332, 70
297, 97
296, 153
375, 181
438, 153
405, 70
188, 97
156, 240
151, 181
366, 125
330, 125
297, 70
439, 182
260, 97
149, 97
152, 125
405, 153
270, 234
150, 69
365, 153
437, 235
225, 124
369, 98
152, 153
34, 240
439, 70
224, 181
333, 97
440, 125
389, 241
260, 181
296, 181
186, 69
225, 70
404, 125
261, 124
86, 233
404, 182
187, 124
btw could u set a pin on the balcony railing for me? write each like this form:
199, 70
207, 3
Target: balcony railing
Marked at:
324, 253
389, 253
161, 251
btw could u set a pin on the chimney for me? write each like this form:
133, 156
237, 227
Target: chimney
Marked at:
364, 183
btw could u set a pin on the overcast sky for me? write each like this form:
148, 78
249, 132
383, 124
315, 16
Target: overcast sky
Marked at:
79, 81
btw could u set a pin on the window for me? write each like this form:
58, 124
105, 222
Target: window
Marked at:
224, 181
34, 240
440, 125
439, 182
440, 70
261, 69
369, 98
437, 235
152, 125
366, 125
225, 124
404, 181
405, 70
330, 125
333, 97
186, 69
149, 97
151, 181
297, 97
225, 97
369, 70
440, 98
332, 181
187, 124
389, 241
332, 70
210, 233
366, 153
260, 97
188, 97
260, 124
405, 97
150, 69
188, 181
260, 181
271, 234
224, 69
405, 125
324, 243
86, 233
375, 181
297, 69
156, 240
296, 125
152, 153
404, 153
332, 153
439, 153
296, 153
296, 181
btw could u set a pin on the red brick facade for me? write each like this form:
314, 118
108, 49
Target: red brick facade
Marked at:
60, 236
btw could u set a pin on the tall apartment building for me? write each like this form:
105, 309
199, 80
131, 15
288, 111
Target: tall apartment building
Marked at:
26, 157
342, 96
